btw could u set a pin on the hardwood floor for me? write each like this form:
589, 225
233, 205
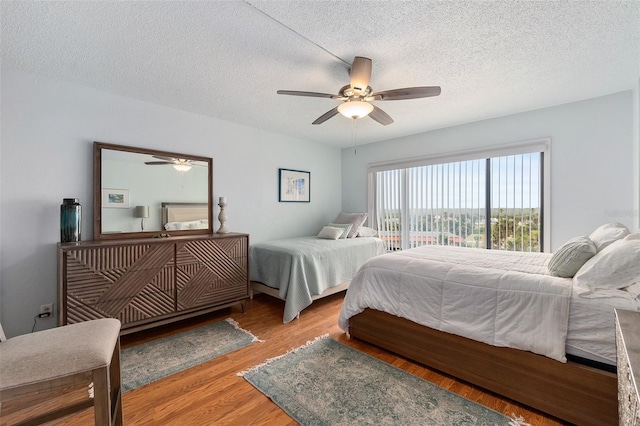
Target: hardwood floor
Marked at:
211, 393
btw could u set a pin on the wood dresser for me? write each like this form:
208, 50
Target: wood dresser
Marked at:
628, 350
152, 281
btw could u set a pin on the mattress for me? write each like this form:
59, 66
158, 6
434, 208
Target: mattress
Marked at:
303, 267
591, 333
448, 289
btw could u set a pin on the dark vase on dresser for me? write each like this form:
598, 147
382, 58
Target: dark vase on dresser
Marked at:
70, 220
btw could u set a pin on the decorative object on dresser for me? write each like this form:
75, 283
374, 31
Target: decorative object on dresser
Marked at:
294, 186
628, 349
70, 220
152, 281
222, 216
118, 166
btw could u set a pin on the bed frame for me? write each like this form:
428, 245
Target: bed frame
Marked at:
570, 391
261, 288
183, 212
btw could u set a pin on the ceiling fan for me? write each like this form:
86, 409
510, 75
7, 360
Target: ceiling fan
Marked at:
357, 96
180, 164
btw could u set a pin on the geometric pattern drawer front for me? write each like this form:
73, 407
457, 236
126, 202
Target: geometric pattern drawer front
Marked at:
130, 282
211, 271
144, 306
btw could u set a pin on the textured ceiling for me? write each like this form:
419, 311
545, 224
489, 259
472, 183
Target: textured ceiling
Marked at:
226, 59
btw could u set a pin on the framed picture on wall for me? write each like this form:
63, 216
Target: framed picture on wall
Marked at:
294, 186
115, 198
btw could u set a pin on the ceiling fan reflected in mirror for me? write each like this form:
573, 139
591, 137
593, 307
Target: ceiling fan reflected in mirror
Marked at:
357, 96
180, 164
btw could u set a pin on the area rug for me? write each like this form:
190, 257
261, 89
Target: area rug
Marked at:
151, 361
328, 383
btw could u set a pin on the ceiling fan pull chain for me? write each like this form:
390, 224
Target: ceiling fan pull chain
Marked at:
353, 135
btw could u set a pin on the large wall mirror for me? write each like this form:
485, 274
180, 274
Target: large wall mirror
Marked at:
140, 192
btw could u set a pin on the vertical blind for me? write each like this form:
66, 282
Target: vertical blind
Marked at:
455, 203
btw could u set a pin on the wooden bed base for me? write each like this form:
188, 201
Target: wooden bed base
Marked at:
573, 392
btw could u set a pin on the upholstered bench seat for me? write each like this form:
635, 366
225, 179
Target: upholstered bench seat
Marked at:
79, 353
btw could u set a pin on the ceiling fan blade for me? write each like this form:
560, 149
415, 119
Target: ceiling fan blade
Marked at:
327, 115
406, 93
156, 163
311, 94
380, 116
360, 73
161, 157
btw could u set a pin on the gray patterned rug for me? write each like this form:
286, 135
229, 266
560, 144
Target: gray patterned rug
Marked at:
328, 383
151, 361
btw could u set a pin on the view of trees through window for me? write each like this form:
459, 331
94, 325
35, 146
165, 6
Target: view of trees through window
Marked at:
456, 203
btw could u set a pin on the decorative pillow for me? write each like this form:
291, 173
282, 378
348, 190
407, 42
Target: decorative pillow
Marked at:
570, 257
330, 233
355, 219
615, 267
346, 227
606, 234
367, 232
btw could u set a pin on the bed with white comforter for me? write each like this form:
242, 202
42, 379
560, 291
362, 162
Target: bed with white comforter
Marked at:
507, 321
496, 297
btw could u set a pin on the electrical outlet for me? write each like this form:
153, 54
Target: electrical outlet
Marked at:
46, 310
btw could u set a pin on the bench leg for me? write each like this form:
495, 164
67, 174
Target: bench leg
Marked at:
102, 397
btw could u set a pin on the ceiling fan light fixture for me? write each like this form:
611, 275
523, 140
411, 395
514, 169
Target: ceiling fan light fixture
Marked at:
182, 167
355, 109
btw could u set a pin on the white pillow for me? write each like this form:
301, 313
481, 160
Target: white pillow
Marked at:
330, 233
615, 267
367, 232
633, 236
173, 226
346, 227
570, 257
356, 219
606, 234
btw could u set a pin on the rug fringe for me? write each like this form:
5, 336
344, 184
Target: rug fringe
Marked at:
518, 421
290, 351
237, 327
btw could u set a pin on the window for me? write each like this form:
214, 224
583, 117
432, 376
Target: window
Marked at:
493, 199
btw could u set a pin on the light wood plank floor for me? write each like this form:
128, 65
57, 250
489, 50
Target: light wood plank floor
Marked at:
212, 394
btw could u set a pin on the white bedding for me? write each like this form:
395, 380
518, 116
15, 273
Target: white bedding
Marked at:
592, 326
497, 297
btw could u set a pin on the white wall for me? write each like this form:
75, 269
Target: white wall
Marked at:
48, 129
592, 159
636, 153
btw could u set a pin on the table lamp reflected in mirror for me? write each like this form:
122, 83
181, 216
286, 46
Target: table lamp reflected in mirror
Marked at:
141, 212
